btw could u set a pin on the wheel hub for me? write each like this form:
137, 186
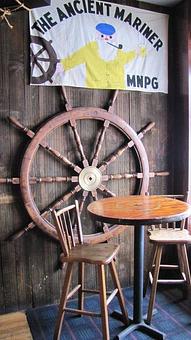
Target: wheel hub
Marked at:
90, 178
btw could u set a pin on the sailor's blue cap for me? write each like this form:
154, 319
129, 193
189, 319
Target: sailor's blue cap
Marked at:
105, 28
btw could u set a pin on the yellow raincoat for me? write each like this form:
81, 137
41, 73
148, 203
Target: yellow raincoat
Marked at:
99, 72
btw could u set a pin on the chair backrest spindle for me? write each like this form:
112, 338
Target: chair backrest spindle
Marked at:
79, 225
65, 224
70, 228
173, 225
61, 232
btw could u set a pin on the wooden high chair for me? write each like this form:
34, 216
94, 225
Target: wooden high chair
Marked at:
77, 252
160, 236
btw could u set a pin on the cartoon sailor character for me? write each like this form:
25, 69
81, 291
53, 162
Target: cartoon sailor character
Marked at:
104, 60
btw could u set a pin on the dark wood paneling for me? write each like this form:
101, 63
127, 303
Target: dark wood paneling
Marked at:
29, 275
180, 95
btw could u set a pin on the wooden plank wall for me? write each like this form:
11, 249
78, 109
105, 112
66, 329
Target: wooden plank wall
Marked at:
180, 94
29, 274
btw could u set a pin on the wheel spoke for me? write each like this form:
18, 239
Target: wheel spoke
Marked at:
43, 59
98, 225
61, 200
94, 195
39, 52
106, 178
114, 156
33, 59
58, 155
40, 67
84, 196
78, 142
68, 106
45, 145
124, 147
51, 207
100, 142
109, 192
110, 109
101, 225
37, 180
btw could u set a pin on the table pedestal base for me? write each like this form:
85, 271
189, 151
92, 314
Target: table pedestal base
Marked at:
142, 327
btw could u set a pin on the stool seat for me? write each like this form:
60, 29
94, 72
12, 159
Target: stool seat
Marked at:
170, 236
102, 253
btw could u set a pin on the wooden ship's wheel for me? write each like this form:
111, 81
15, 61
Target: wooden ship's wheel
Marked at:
82, 168
43, 60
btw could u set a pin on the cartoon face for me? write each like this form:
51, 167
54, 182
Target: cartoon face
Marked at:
105, 32
106, 37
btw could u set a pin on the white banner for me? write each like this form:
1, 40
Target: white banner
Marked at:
102, 45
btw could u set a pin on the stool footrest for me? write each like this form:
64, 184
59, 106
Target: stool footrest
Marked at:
73, 291
166, 281
111, 296
82, 312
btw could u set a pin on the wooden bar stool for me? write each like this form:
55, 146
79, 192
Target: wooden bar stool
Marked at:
161, 236
77, 252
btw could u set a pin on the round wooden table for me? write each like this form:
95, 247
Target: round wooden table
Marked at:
139, 211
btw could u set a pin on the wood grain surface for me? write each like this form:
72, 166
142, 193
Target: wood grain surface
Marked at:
139, 209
